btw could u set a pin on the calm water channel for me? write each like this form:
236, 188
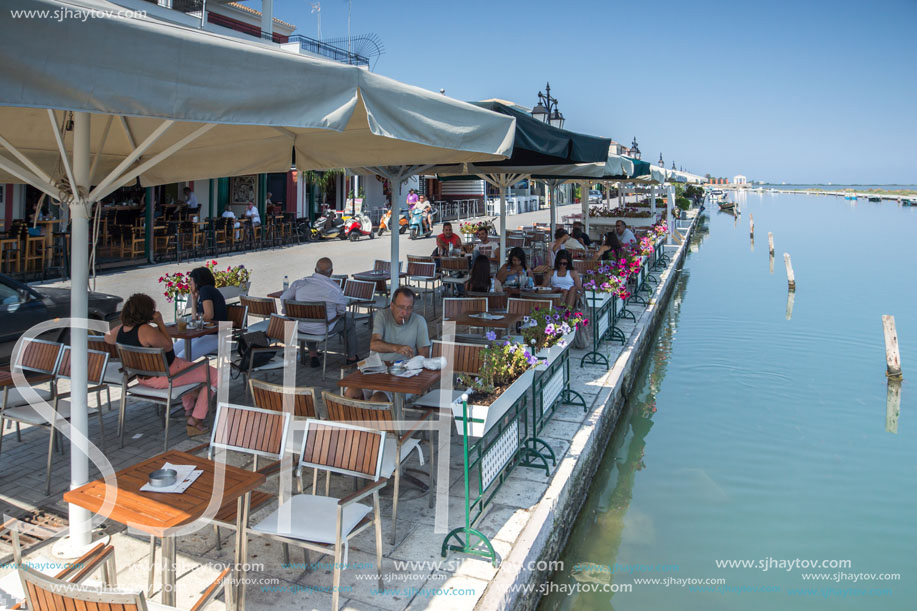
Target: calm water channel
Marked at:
753, 435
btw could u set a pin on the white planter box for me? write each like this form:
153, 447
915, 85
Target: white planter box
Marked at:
551, 354
604, 221
232, 292
597, 299
489, 415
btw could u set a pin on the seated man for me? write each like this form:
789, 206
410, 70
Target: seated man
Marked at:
252, 213
485, 246
625, 235
447, 240
320, 287
398, 334
579, 233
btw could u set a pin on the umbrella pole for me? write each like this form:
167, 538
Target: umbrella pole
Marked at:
395, 226
503, 187
80, 525
553, 206
584, 202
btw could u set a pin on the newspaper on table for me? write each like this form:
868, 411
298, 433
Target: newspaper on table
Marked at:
372, 364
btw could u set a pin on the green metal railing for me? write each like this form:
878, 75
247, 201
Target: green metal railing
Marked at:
488, 462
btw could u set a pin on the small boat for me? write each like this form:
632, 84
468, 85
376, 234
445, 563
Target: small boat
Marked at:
727, 205
875, 199
850, 196
906, 202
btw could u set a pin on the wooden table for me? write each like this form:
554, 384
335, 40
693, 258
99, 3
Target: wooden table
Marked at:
190, 334
161, 515
507, 322
275, 294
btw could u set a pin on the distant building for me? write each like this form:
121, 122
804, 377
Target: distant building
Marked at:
740, 180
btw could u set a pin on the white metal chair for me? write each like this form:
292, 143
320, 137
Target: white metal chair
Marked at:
332, 522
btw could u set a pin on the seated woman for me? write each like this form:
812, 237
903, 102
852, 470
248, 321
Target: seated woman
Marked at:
514, 270
479, 280
565, 278
207, 301
610, 250
142, 326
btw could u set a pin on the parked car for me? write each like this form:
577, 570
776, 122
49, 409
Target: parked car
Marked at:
23, 306
595, 196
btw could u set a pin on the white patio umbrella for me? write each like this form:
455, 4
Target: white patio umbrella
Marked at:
88, 106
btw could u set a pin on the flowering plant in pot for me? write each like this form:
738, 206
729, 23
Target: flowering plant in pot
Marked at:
232, 276
472, 227
503, 363
608, 279
646, 247
548, 327
660, 229
178, 286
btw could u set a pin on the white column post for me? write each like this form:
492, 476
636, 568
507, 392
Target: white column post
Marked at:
669, 204
584, 201
653, 200
267, 17
503, 186
552, 186
396, 215
80, 525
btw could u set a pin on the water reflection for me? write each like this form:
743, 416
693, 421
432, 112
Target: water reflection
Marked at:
790, 300
605, 519
892, 405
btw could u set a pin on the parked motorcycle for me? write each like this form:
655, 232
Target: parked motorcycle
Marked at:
357, 226
403, 221
385, 222
328, 226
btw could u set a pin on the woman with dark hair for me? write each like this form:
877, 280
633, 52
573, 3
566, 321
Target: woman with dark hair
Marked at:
610, 250
208, 303
479, 278
565, 278
142, 326
514, 270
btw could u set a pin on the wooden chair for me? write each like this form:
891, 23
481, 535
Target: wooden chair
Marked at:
514, 241
341, 279
133, 242
453, 306
151, 362
398, 446
313, 312
258, 432
454, 271
346, 450
467, 359
260, 307
10, 252
515, 305
420, 259
270, 396
584, 265
113, 372
556, 299
423, 273
78, 571
238, 316
276, 335
38, 360
45, 593
496, 302
362, 295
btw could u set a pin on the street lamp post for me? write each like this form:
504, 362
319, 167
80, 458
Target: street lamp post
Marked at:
547, 112
634, 149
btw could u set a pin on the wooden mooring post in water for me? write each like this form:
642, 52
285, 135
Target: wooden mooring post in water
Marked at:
770, 242
892, 356
751, 226
790, 276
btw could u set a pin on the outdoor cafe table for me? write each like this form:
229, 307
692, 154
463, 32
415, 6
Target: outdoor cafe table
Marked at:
507, 322
159, 514
190, 334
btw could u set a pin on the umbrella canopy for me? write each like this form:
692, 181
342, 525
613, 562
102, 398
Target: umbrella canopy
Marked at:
87, 106
255, 102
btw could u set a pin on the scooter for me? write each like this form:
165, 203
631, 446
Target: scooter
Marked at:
403, 221
357, 226
328, 226
416, 223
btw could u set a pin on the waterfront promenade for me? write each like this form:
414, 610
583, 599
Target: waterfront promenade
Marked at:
527, 520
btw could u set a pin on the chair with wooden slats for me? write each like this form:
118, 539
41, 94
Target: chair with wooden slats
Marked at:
271, 396
151, 362
556, 299
79, 571
113, 373
398, 446
496, 302
314, 312
37, 360
584, 265
276, 335
516, 305
46, 593
454, 306
465, 358
422, 278
342, 449
454, 271
259, 307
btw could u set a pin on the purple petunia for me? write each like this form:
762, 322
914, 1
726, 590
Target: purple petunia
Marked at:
491, 336
549, 330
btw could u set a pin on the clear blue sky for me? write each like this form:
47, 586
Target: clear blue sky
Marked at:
782, 91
